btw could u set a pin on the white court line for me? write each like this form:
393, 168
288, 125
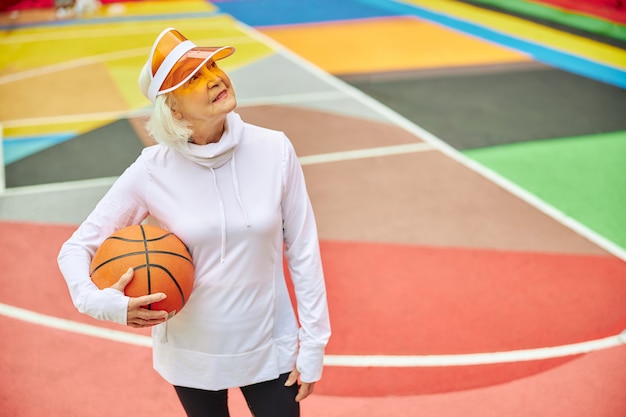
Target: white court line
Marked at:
438, 144
94, 59
129, 114
71, 64
77, 118
119, 30
470, 359
73, 326
365, 153
291, 98
381, 360
384, 361
59, 187
383, 110
304, 160
2, 173
442, 146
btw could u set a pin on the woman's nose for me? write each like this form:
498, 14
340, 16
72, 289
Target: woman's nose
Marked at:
209, 76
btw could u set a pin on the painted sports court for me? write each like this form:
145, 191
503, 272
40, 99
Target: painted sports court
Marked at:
465, 159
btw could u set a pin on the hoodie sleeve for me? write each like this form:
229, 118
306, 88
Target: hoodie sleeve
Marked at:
121, 206
305, 266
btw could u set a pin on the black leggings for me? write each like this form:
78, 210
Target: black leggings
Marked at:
265, 399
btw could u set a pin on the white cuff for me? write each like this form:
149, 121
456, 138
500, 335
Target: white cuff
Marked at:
107, 304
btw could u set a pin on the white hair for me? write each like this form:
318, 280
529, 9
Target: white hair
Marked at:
164, 127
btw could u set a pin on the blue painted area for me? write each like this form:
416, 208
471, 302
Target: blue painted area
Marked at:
285, 12
558, 59
292, 12
16, 148
261, 13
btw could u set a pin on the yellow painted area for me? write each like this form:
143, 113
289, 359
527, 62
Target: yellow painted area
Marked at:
142, 8
111, 10
392, 44
43, 129
55, 78
37, 47
523, 29
76, 91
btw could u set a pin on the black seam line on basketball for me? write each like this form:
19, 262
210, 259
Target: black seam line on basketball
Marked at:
173, 278
147, 255
126, 239
167, 271
154, 252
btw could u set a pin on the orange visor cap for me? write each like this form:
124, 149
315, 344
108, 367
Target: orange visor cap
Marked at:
173, 61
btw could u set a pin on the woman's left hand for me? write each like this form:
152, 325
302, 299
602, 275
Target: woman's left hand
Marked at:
306, 388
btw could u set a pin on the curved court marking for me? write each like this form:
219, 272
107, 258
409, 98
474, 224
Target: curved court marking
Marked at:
487, 358
385, 361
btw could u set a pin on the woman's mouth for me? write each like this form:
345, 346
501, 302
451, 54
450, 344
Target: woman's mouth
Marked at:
221, 96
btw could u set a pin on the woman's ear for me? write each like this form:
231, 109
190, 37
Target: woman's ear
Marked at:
170, 102
174, 108
177, 115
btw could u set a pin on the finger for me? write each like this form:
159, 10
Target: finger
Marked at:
124, 280
145, 314
139, 322
145, 300
292, 378
305, 390
142, 317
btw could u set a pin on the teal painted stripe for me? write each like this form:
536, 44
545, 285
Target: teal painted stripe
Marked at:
553, 57
16, 148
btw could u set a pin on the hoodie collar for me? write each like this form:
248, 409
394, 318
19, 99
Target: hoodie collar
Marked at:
214, 155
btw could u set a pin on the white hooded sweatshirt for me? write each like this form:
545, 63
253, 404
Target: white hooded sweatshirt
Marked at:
238, 205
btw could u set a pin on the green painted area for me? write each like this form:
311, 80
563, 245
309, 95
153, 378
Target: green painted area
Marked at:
561, 16
584, 177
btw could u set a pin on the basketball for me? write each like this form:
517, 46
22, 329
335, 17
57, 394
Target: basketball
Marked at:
159, 258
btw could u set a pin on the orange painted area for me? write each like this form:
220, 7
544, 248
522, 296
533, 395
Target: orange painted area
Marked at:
63, 94
392, 45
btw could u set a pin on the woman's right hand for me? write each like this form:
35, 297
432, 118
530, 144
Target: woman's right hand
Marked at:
139, 316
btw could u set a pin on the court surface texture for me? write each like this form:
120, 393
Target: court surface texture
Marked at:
466, 167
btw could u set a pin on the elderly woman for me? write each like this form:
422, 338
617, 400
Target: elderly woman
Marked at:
235, 194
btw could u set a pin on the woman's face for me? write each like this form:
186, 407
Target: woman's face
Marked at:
207, 94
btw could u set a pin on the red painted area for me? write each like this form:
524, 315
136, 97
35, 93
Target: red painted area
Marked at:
614, 10
31, 278
384, 299
26, 4
39, 4
395, 299
56, 373
406, 300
